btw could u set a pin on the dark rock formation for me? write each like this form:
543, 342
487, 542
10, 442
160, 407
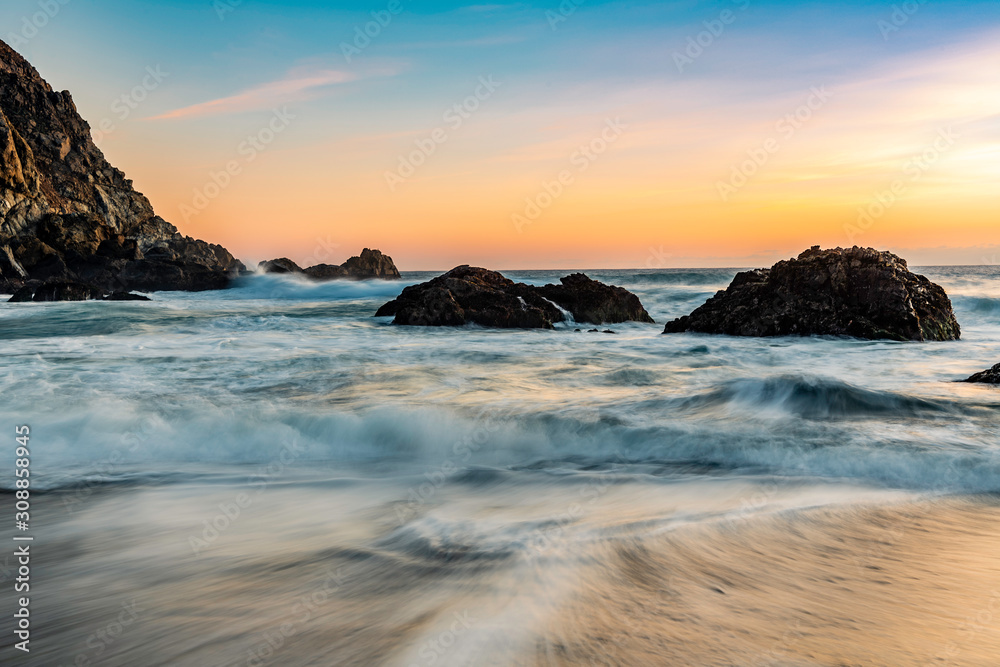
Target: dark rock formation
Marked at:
469, 294
370, 264
326, 272
69, 216
594, 302
125, 296
56, 291
857, 292
280, 265
992, 376
66, 291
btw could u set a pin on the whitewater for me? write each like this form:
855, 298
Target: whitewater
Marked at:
270, 475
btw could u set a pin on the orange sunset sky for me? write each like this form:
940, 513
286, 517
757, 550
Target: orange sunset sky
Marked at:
774, 135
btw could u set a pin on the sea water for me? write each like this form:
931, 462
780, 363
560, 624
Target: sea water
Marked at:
271, 475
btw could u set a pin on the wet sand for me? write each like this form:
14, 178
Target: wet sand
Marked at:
642, 574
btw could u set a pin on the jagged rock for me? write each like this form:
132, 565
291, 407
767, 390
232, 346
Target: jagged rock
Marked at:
280, 265
991, 376
594, 302
370, 264
469, 294
857, 292
67, 215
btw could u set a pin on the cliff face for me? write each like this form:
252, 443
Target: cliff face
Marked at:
66, 213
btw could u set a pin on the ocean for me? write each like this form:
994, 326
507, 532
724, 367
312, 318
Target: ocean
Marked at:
269, 475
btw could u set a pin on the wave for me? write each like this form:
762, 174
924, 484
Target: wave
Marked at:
814, 399
699, 277
112, 439
981, 305
284, 286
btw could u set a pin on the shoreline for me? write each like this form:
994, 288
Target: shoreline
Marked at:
843, 582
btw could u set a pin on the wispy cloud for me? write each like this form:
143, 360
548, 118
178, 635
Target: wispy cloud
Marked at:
297, 85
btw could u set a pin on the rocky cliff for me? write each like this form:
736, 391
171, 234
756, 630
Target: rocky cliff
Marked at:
67, 214
858, 292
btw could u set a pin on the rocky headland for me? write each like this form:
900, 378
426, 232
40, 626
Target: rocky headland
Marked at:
859, 292
68, 216
473, 295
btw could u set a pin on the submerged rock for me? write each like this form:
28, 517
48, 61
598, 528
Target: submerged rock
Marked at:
370, 264
468, 294
56, 291
991, 376
69, 291
858, 292
594, 302
125, 296
67, 215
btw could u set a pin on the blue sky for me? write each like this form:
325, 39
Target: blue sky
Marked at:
228, 71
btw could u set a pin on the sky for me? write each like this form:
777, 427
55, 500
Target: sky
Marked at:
581, 134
